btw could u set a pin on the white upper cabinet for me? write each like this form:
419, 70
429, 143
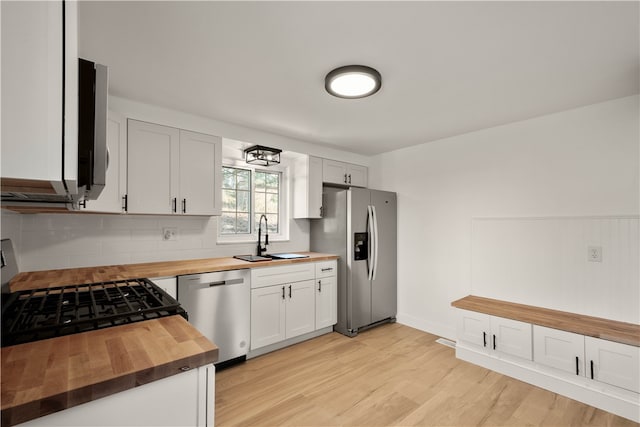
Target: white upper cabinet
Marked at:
152, 168
347, 174
307, 187
34, 101
112, 197
171, 171
200, 173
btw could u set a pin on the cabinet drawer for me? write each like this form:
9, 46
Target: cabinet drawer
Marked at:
268, 276
326, 269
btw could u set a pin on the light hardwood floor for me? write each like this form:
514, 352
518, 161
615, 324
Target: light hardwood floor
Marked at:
392, 375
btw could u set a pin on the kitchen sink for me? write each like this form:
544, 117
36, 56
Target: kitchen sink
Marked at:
286, 256
252, 258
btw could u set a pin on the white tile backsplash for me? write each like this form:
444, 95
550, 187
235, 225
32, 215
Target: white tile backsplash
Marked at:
52, 241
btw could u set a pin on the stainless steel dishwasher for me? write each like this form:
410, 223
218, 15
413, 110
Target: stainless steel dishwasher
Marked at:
218, 305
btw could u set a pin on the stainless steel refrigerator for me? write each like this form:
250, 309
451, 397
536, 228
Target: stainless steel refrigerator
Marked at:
359, 225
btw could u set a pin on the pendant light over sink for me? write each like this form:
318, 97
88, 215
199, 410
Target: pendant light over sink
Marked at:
353, 81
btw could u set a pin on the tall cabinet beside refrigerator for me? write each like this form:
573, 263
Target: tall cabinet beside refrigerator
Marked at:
359, 225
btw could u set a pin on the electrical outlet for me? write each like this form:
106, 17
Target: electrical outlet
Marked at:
170, 233
594, 253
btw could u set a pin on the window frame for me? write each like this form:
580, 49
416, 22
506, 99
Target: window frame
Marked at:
283, 206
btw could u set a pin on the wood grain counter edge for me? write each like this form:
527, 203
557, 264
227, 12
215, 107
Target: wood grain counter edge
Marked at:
86, 275
597, 327
25, 399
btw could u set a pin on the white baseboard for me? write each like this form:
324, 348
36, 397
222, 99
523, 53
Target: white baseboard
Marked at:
611, 399
439, 329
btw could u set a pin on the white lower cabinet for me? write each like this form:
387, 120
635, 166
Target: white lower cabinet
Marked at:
601, 373
326, 301
559, 349
495, 335
600, 360
300, 309
268, 316
613, 363
289, 301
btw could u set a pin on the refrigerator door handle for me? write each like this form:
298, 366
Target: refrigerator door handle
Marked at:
371, 231
375, 241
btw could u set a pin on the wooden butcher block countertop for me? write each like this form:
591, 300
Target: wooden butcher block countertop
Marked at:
606, 329
46, 376
79, 276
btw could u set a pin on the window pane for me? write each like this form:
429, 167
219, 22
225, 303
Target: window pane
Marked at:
228, 223
228, 178
272, 203
273, 223
271, 180
260, 184
260, 203
244, 179
243, 201
228, 200
243, 223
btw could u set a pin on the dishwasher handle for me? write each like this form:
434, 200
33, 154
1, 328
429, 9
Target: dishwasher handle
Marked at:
226, 282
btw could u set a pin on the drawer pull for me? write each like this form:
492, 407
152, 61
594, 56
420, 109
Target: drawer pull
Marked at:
327, 269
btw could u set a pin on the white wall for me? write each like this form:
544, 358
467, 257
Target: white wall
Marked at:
583, 162
50, 241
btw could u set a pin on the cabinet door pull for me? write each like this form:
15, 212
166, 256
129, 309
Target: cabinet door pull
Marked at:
345, 178
484, 339
283, 292
175, 205
125, 200
321, 211
494, 341
577, 364
319, 285
591, 369
184, 205
349, 178
289, 291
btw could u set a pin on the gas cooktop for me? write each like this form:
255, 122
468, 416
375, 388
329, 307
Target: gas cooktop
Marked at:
45, 313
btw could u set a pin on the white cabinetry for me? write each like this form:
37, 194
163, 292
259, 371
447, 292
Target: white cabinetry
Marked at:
172, 171
559, 349
326, 294
185, 399
613, 363
300, 309
39, 42
307, 187
600, 360
282, 303
335, 172
495, 335
111, 197
292, 301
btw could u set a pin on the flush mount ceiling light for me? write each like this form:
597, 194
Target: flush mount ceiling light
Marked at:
261, 155
353, 81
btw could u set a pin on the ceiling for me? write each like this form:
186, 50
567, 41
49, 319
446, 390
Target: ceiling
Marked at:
447, 67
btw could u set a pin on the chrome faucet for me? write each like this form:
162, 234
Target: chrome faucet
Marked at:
262, 249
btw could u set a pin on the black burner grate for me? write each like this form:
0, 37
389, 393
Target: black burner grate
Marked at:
45, 313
